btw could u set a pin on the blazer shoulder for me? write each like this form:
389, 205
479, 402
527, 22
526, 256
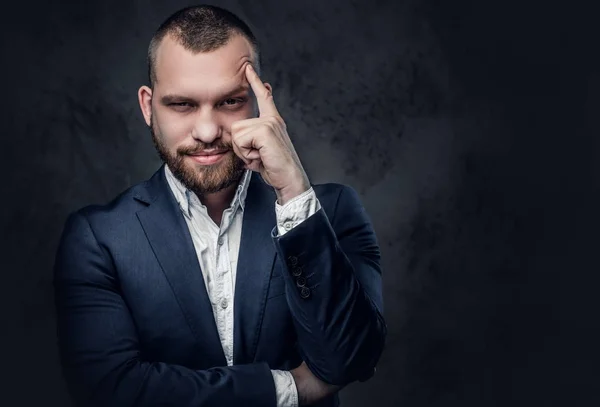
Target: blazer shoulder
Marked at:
117, 210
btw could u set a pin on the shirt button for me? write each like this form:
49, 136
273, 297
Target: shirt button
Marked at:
287, 225
224, 303
220, 242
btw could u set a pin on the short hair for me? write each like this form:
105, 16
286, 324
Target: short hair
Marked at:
201, 28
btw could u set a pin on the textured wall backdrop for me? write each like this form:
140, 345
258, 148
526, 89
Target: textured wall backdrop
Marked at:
470, 130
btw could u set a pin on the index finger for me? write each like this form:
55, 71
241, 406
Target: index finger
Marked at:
264, 98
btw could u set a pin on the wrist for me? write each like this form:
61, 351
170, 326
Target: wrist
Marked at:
299, 381
286, 194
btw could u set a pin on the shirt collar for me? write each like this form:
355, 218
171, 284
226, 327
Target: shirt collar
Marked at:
183, 195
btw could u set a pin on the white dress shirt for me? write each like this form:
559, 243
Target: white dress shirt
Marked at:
217, 248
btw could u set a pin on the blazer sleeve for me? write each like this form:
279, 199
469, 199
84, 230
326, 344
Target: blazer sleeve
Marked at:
99, 349
334, 291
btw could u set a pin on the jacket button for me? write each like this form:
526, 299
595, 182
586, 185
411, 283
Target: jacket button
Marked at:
301, 281
304, 292
297, 271
293, 260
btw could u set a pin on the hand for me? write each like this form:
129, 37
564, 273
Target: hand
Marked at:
264, 145
310, 388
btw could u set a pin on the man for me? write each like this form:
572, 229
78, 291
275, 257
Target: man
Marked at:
227, 278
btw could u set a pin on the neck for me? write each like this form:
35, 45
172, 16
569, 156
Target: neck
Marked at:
217, 202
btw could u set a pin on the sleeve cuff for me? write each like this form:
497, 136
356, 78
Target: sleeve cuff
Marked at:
296, 211
285, 388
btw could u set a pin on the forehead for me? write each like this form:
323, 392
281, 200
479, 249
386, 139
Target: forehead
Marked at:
180, 70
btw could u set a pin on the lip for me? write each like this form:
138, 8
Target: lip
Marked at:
208, 158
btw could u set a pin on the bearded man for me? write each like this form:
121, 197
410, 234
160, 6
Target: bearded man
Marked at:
227, 278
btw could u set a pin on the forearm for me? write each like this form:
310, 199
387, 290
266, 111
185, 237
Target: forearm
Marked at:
137, 383
340, 330
334, 291
103, 366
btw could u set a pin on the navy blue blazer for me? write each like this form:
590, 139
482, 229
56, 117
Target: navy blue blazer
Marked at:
134, 321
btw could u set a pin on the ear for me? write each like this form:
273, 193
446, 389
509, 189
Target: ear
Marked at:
268, 86
145, 100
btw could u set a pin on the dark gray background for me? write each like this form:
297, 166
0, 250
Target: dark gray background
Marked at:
470, 130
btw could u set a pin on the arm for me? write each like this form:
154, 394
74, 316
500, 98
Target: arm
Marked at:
99, 348
334, 291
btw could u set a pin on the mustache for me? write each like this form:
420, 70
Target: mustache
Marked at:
203, 146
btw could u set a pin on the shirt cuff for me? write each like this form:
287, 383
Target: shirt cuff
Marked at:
296, 211
285, 388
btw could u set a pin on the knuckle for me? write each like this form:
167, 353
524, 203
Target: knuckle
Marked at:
270, 125
276, 121
238, 126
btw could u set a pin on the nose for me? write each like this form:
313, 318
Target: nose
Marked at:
206, 127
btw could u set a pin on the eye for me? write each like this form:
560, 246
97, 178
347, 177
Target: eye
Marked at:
234, 102
180, 106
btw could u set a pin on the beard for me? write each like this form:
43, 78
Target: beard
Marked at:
201, 179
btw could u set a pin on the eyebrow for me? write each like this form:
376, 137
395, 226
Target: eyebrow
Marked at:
170, 98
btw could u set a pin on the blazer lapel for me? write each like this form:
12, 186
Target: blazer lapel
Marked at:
172, 244
255, 263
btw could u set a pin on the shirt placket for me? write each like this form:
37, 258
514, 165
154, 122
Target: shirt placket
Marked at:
224, 276
210, 233
212, 244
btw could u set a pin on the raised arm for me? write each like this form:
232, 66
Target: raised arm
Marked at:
334, 291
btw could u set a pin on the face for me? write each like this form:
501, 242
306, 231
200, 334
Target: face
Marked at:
195, 100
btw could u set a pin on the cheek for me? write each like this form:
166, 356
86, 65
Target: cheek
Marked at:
172, 130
